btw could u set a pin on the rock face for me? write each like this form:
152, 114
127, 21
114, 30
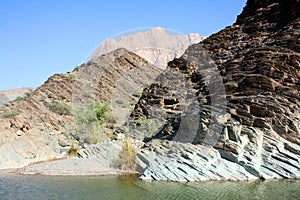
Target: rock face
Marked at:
36, 127
169, 160
241, 95
156, 45
227, 109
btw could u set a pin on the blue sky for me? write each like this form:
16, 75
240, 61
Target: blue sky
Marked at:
41, 38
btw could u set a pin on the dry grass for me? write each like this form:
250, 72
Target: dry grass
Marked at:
73, 151
127, 157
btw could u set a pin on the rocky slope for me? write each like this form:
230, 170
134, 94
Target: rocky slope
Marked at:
10, 95
156, 45
40, 126
229, 108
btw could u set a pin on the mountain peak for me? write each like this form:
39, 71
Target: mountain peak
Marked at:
157, 45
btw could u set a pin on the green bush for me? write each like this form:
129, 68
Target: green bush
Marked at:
10, 114
59, 108
90, 120
103, 112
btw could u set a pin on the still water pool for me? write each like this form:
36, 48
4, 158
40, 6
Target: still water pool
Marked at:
14, 186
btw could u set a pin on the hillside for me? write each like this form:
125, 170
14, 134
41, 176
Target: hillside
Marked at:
239, 93
227, 109
41, 126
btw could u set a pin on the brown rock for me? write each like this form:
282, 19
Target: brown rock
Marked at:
258, 61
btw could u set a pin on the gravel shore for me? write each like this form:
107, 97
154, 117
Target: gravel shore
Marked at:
93, 160
73, 166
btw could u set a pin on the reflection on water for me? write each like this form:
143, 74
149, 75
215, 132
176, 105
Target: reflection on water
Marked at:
13, 186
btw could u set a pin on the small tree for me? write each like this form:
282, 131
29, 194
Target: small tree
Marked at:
102, 112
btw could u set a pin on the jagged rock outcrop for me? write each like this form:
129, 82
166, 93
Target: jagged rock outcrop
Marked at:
252, 119
37, 127
156, 45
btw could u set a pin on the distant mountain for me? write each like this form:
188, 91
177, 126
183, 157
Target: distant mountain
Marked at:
12, 94
156, 45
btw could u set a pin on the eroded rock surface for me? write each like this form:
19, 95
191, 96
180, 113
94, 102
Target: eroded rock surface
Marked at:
37, 127
256, 131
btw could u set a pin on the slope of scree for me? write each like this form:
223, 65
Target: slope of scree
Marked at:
35, 128
258, 59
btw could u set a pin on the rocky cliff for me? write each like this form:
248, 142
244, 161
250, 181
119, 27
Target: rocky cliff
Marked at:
156, 45
41, 125
235, 113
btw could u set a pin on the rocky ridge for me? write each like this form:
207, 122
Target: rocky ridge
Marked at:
255, 132
37, 127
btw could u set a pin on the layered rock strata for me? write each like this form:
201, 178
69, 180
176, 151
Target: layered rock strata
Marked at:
252, 119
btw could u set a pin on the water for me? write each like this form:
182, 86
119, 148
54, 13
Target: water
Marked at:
13, 186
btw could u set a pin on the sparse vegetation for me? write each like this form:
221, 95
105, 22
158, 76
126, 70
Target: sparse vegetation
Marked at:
18, 99
127, 156
147, 123
73, 151
90, 121
138, 93
59, 108
10, 114
103, 112
95, 135
131, 109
